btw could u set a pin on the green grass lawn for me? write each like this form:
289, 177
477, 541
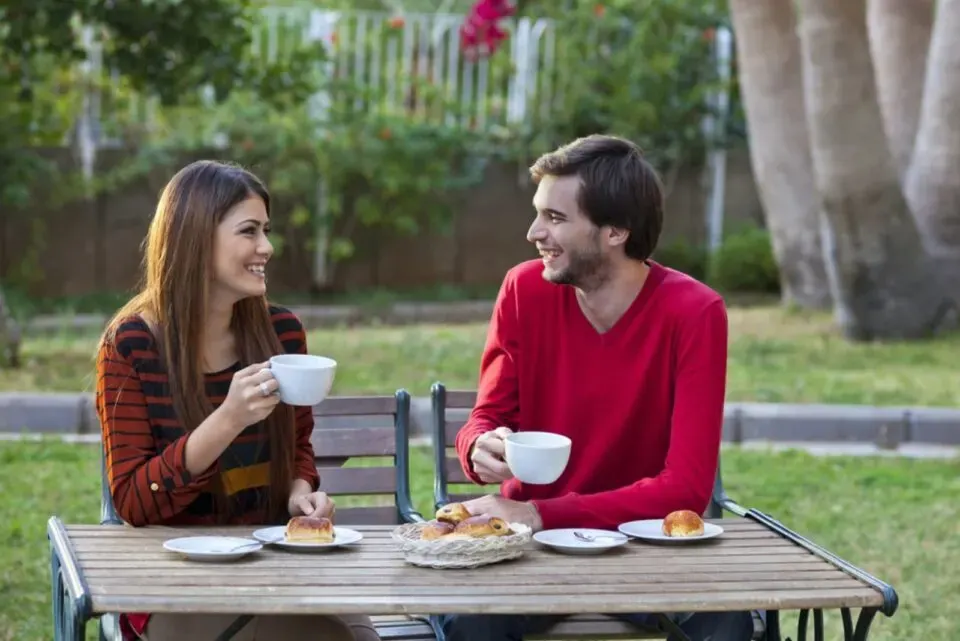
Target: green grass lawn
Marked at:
775, 356
897, 518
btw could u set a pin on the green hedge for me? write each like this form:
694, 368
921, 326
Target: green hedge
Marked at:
744, 263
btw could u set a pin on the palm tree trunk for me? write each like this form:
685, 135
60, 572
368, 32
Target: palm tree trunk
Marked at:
771, 83
933, 181
899, 40
886, 286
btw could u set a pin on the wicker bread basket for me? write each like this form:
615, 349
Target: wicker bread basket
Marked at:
460, 552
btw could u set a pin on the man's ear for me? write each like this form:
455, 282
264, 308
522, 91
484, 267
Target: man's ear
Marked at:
616, 236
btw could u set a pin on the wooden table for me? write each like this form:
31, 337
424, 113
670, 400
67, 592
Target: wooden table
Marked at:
101, 569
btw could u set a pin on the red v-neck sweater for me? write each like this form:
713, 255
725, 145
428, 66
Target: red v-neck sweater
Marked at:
642, 402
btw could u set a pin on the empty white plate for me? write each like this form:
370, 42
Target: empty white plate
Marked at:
651, 530
212, 548
590, 542
274, 535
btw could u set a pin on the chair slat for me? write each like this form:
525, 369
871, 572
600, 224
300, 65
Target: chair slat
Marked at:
355, 441
375, 515
455, 471
356, 405
358, 480
461, 399
451, 427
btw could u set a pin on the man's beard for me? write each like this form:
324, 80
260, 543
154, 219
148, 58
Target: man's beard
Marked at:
586, 269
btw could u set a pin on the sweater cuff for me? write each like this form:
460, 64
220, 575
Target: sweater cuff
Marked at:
559, 512
176, 475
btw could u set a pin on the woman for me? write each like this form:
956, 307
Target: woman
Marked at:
231, 455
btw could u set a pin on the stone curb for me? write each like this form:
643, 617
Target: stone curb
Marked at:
312, 316
883, 427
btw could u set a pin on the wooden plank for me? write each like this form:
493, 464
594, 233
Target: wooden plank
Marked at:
355, 405
358, 480
804, 568
377, 515
461, 399
310, 576
351, 442
451, 427
455, 472
408, 599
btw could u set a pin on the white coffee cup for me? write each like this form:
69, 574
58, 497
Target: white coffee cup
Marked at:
537, 457
304, 379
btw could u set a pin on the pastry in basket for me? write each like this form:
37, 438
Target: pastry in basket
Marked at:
453, 513
682, 523
435, 530
309, 529
482, 526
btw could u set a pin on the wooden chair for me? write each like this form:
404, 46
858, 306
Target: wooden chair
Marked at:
363, 457
450, 410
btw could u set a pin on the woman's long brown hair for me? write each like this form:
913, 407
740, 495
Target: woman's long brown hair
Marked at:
173, 297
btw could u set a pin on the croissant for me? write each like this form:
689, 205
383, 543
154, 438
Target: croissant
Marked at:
453, 513
436, 530
483, 525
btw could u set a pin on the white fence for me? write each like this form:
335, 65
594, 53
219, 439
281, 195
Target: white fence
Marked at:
391, 54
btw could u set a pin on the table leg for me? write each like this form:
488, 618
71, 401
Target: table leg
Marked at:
772, 630
672, 628
849, 633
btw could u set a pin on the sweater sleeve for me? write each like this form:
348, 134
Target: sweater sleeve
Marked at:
686, 481
497, 394
147, 487
293, 337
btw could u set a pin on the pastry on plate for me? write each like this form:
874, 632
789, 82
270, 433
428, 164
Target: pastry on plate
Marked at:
309, 529
682, 523
453, 513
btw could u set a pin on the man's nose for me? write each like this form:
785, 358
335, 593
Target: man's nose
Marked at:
536, 231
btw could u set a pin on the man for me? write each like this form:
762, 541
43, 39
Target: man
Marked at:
597, 342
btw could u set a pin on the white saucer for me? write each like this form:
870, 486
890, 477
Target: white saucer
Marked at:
564, 540
212, 548
274, 535
651, 530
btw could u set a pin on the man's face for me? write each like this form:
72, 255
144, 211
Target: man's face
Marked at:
569, 243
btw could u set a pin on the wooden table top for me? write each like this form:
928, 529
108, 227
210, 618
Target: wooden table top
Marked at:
749, 567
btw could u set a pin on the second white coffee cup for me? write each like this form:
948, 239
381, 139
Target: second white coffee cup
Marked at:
304, 379
537, 457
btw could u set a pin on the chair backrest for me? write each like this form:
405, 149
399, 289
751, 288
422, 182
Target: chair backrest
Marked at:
362, 452
361, 448
447, 469
451, 408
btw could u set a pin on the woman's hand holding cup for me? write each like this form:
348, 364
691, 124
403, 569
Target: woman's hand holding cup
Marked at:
252, 396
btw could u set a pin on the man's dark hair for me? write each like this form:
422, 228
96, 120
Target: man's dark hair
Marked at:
618, 187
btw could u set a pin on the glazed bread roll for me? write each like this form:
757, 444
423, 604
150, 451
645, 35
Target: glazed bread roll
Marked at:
483, 525
453, 513
436, 530
683, 523
309, 529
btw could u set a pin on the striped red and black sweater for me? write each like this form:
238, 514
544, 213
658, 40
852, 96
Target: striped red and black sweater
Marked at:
144, 440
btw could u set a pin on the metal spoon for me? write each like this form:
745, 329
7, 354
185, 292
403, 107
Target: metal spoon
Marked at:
590, 538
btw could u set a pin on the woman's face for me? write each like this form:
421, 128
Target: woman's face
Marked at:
241, 250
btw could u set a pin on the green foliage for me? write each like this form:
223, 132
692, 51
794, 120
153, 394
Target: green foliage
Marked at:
638, 69
683, 256
745, 263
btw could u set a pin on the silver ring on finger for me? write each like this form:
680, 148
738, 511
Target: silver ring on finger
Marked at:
263, 389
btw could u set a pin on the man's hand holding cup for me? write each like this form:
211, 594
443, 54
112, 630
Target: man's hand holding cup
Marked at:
488, 456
